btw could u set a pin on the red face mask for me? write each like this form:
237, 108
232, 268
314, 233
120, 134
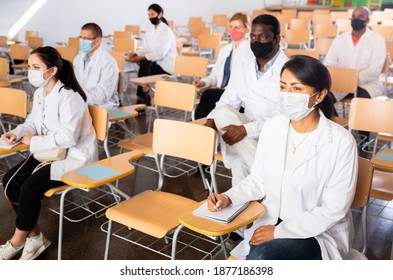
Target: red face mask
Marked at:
235, 35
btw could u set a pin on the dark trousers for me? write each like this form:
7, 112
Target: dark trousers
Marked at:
208, 102
147, 68
25, 191
286, 249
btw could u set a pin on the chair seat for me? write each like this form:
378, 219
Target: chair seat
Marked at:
385, 137
143, 142
382, 185
213, 228
153, 212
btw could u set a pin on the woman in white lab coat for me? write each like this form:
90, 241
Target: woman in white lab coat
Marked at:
59, 119
158, 52
305, 172
239, 28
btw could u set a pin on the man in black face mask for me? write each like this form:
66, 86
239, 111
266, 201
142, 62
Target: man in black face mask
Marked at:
255, 86
361, 49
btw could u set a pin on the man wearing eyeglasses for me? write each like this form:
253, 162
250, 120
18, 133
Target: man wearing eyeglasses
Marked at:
255, 86
96, 70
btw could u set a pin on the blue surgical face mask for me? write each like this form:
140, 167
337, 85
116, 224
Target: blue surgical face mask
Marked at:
295, 105
85, 45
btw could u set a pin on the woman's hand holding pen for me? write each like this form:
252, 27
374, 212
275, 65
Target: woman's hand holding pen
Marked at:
222, 201
9, 138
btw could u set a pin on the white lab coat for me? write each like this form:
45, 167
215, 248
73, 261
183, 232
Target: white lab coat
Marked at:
69, 124
260, 98
368, 57
324, 184
100, 78
159, 45
217, 74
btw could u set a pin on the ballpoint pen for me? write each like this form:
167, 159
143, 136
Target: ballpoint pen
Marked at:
210, 191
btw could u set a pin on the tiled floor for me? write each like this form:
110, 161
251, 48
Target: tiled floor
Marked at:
85, 240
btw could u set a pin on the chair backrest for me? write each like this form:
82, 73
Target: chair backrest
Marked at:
293, 36
289, 12
119, 57
300, 24
175, 95
325, 30
30, 33
35, 42
220, 20
194, 20
323, 45
67, 53
135, 29
124, 45
184, 140
339, 15
305, 14
122, 34
99, 117
292, 52
73, 42
191, 66
13, 102
384, 31
197, 30
371, 115
3, 67
344, 79
322, 19
364, 181
19, 52
343, 25
208, 41
3, 41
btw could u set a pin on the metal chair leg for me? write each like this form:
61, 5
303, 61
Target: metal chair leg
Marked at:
61, 221
108, 239
364, 229
174, 241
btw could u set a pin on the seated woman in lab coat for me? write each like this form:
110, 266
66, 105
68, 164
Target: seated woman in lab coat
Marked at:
59, 119
305, 172
158, 52
239, 28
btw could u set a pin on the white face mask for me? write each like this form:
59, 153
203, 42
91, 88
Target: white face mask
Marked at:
295, 105
36, 78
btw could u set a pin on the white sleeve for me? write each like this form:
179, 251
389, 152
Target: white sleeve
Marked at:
71, 112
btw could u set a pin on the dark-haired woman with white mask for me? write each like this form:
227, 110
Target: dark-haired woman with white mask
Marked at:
305, 171
59, 119
158, 52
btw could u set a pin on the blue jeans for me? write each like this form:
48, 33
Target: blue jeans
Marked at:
286, 249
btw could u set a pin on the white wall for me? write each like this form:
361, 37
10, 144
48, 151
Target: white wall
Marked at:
59, 19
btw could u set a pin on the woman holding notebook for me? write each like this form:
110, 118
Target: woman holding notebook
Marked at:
305, 172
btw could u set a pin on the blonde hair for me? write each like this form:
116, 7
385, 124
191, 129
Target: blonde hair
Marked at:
242, 17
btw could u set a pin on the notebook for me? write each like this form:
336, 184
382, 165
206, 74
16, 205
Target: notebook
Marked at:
225, 215
4, 145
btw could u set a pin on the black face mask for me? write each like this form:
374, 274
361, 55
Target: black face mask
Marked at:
261, 50
358, 24
154, 20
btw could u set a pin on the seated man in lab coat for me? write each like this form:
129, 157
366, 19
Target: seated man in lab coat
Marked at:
96, 70
360, 49
254, 85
